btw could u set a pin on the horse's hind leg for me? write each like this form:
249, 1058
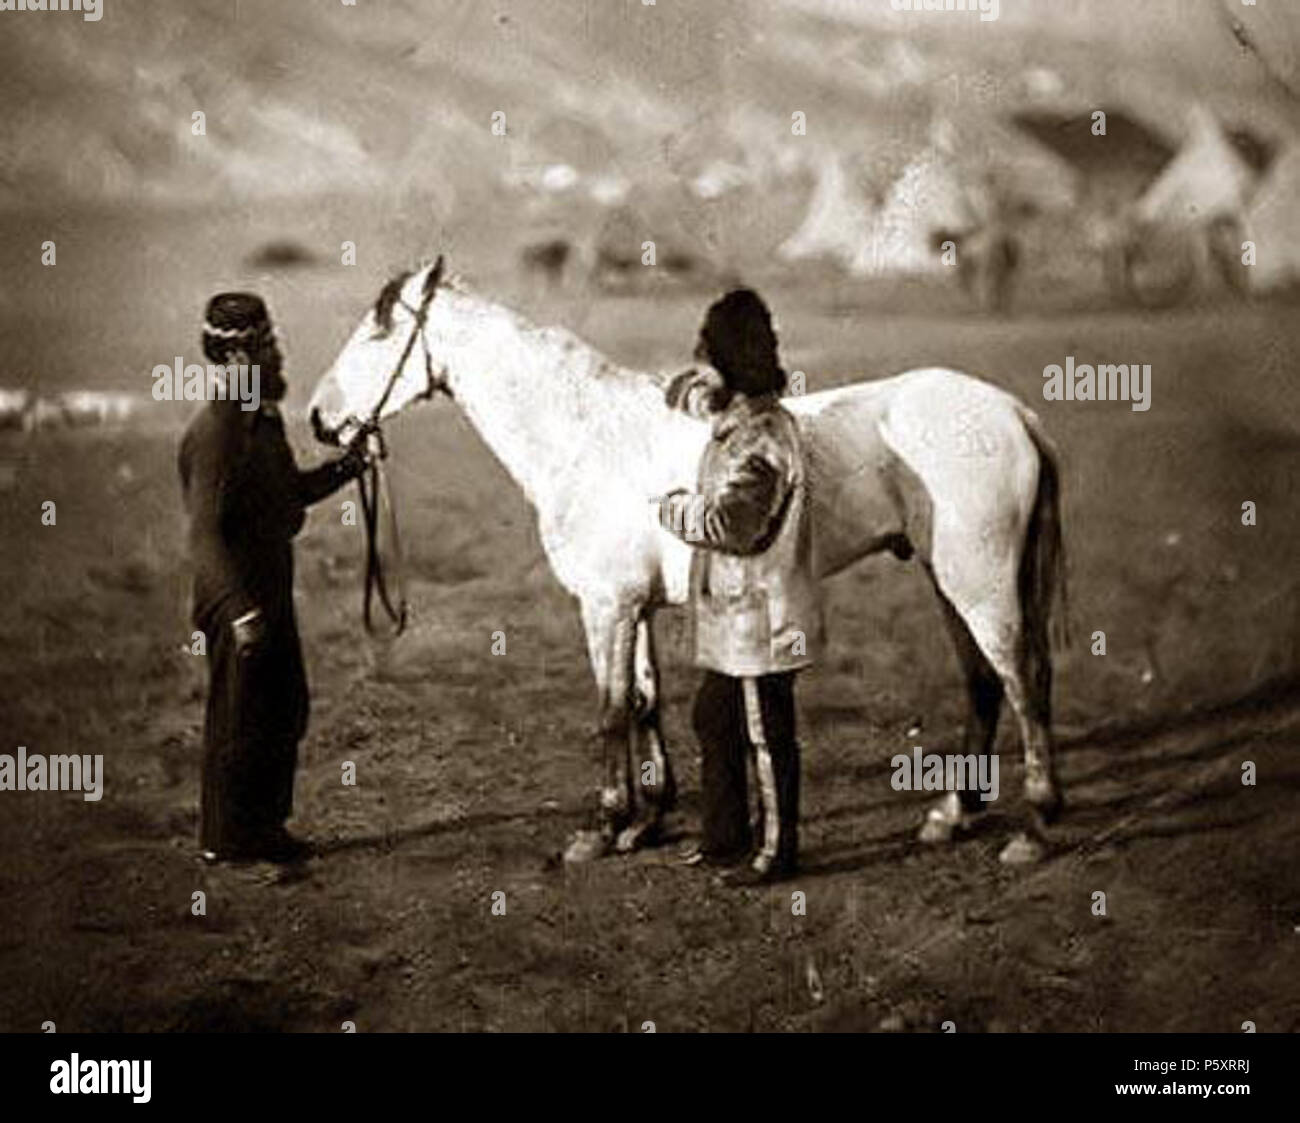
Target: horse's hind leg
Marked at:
1024, 666
1042, 788
984, 691
985, 592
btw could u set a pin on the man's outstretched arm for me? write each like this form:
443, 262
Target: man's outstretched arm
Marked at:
316, 484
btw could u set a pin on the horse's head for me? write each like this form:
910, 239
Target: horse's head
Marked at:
385, 365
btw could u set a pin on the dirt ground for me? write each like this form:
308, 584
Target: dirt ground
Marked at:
472, 768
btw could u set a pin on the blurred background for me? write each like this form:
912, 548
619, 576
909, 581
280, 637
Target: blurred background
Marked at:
625, 123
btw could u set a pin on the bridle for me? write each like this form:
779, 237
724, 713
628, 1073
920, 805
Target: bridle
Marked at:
435, 383
371, 481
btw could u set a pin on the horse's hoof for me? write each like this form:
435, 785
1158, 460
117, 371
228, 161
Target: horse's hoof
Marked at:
1022, 851
586, 846
936, 830
943, 821
636, 836
1044, 795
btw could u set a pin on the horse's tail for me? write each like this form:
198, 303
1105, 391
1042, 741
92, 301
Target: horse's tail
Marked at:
1043, 566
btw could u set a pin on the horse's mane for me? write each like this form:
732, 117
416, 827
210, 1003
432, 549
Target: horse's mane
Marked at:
601, 368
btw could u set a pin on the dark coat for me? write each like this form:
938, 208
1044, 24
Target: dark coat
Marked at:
246, 499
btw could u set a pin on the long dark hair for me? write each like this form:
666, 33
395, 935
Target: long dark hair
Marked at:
738, 340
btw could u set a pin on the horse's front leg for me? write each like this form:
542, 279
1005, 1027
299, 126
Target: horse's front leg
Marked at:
611, 640
654, 787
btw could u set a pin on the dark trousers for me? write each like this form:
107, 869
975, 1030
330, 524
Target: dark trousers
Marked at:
255, 717
728, 730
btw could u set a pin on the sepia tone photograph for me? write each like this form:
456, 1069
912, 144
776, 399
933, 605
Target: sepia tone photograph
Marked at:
647, 516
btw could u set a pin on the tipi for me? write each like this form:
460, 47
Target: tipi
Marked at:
1208, 179
838, 222
1273, 224
926, 204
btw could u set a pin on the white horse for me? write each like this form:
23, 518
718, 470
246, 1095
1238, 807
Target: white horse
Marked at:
931, 462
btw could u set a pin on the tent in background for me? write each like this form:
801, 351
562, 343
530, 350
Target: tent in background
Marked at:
926, 204
1010, 173
1208, 179
838, 223
1272, 222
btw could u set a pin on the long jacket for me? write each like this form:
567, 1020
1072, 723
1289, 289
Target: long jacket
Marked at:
246, 499
757, 606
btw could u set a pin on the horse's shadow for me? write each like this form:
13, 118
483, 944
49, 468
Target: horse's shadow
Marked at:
392, 840
1086, 818
1083, 814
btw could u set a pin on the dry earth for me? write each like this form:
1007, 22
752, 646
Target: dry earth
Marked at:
472, 767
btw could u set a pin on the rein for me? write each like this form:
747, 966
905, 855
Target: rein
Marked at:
370, 484
373, 484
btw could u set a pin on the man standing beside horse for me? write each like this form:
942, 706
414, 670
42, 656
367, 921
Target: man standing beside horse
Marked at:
246, 499
755, 602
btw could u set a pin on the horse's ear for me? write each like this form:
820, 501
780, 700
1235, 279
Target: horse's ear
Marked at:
433, 279
389, 295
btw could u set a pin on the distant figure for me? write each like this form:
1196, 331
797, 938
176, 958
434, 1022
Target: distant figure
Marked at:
755, 601
1224, 237
614, 269
283, 254
989, 258
246, 499
680, 263
547, 259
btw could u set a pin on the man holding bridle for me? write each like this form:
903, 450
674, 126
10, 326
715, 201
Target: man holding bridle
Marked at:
245, 499
756, 605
